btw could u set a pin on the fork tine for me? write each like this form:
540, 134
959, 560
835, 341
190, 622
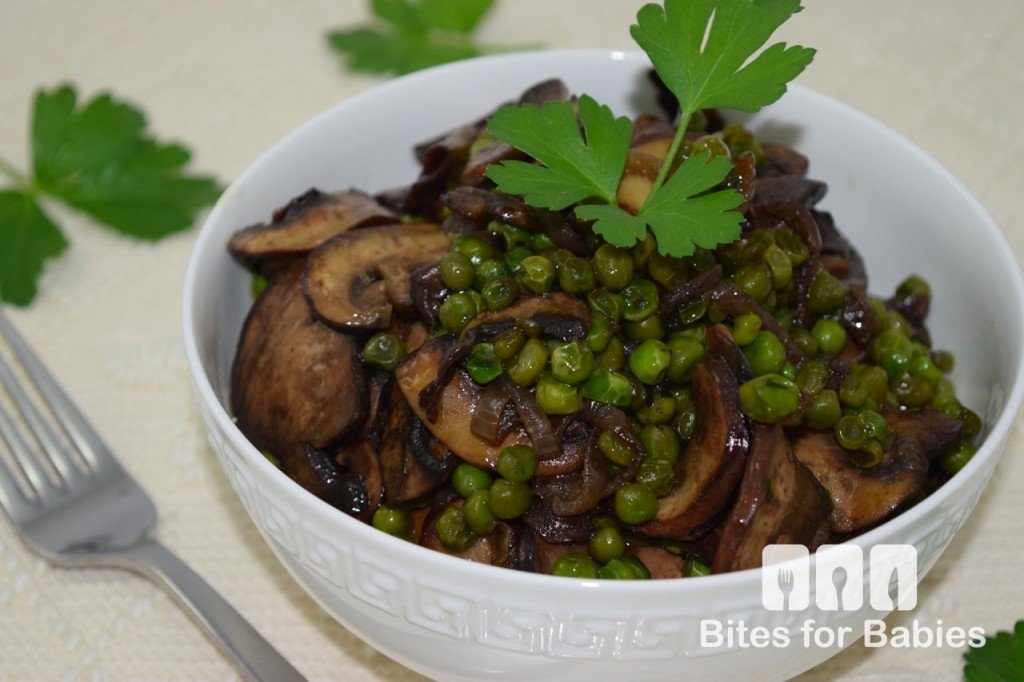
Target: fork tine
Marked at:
11, 496
71, 419
44, 433
24, 457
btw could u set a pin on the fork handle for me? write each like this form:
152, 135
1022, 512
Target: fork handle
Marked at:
254, 656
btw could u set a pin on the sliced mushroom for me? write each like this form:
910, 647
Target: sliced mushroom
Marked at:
341, 278
713, 462
306, 223
556, 314
455, 408
779, 502
294, 381
862, 497
662, 563
346, 490
409, 469
360, 462
935, 431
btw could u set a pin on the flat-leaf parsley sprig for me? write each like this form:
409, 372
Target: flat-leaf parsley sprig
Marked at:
96, 157
999, 659
704, 52
413, 35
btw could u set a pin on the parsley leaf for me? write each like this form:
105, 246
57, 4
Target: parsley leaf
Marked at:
416, 35
574, 168
96, 157
999, 659
719, 72
29, 237
681, 213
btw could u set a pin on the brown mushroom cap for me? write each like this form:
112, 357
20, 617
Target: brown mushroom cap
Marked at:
294, 381
306, 223
341, 278
409, 468
779, 502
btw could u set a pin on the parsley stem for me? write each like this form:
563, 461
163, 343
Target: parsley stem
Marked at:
13, 175
673, 151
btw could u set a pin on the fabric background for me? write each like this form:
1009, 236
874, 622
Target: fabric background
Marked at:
230, 77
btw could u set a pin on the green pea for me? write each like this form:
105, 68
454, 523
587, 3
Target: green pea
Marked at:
922, 366
537, 274
685, 423
644, 249
804, 340
514, 257
793, 245
660, 410
853, 391
686, 352
574, 565
457, 271
694, 567
606, 303
467, 479
614, 267
484, 140
830, 336
913, 391
780, 265
639, 568
613, 357
691, 313
607, 544
457, 311
972, 424
651, 328
895, 321
393, 521
271, 457
826, 294
755, 280
614, 448
813, 376
530, 363
509, 499
740, 140
572, 362
513, 236
850, 432
765, 353
824, 410
576, 275
499, 293
957, 458
517, 463
657, 474
257, 285
478, 513
869, 456
600, 332
453, 531
877, 382
617, 569
476, 249
667, 271
745, 328
541, 241
508, 345
491, 268
641, 300
649, 361
635, 503
556, 397
383, 351
610, 387
769, 399
914, 286
874, 425
482, 365
660, 442
944, 360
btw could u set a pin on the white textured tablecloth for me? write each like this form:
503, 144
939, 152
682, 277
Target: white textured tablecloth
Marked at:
230, 77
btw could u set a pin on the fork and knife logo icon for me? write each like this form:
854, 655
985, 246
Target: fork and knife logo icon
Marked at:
838, 577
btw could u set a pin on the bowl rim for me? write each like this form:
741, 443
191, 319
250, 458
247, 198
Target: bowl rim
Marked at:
989, 448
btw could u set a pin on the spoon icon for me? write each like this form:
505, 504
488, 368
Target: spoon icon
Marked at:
839, 579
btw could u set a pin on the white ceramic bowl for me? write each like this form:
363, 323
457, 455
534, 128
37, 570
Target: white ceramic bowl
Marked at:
452, 619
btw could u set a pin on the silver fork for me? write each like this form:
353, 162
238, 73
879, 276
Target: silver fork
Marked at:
786, 585
78, 507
